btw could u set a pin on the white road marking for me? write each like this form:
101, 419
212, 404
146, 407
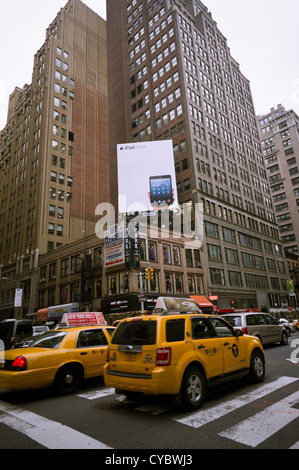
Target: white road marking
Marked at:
49, 434
97, 394
204, 416
295, 446
261, 426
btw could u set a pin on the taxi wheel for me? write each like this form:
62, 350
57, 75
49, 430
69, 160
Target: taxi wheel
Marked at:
257, 366
68, 379
193, 389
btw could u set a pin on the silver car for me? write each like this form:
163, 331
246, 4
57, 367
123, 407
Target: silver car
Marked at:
262, 325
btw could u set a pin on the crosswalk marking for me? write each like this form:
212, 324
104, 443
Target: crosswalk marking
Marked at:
261, 426
252, 431
49, 434
295, 446
204, 416
97, 394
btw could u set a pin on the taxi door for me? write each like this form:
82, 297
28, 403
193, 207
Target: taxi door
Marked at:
91, 350
233, 347
207, 346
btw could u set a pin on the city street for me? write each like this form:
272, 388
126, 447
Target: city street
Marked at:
236, 416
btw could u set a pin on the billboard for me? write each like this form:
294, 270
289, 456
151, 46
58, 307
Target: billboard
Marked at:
115, 245
146, 177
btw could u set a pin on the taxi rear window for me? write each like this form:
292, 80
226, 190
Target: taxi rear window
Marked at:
51, 340
135, 332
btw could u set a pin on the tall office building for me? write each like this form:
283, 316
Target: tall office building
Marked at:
172, 76
54, 167
279, 130
54, 148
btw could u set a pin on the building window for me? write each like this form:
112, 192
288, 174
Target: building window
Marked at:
166, 254
217, 276
152, 251
179, 285
124, 282
235, 279
59, 230
51, 228
169, 283
64, 267
112, 284
191, 284
176, 255
51, 210
52, 272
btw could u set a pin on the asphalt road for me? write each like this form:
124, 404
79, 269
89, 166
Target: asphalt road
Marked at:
236, 416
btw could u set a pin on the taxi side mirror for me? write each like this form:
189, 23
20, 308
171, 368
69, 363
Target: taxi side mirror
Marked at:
238, 333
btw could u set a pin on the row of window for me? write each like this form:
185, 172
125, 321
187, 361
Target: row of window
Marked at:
252, 281
229, 235
249, 260
171, 254
119, 284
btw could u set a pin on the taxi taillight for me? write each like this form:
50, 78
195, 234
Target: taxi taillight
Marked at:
19, 363
107, 355
163, 357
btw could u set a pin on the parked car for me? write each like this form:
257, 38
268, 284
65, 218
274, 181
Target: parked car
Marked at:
288, 325
14, 331
61, 357
26, 342
261, 325
180, 355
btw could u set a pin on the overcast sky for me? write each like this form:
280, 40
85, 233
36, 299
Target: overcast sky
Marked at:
262, 36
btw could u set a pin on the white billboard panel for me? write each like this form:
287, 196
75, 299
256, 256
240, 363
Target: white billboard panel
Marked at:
115, 245
146, 176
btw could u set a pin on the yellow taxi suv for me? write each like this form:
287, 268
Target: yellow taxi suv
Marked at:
62, 357
180, 355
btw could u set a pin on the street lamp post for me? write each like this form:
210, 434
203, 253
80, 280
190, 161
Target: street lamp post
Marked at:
18, 302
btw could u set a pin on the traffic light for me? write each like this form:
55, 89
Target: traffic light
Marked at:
146, 273
152, 271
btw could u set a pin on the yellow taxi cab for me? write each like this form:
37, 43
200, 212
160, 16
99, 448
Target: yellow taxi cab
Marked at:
62, 357
180, 355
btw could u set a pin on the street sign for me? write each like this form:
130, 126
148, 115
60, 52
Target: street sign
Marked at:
18, 297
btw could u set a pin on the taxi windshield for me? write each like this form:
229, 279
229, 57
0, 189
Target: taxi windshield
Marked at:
50, 340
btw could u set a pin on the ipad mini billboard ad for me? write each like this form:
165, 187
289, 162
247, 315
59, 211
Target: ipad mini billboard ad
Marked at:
146, 177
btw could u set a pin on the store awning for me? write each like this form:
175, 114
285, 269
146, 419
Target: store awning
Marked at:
42, 315
201, 301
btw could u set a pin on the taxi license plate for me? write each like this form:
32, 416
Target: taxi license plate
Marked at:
130, 357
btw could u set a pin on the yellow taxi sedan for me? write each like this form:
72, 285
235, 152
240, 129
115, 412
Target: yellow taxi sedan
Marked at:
62, 357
